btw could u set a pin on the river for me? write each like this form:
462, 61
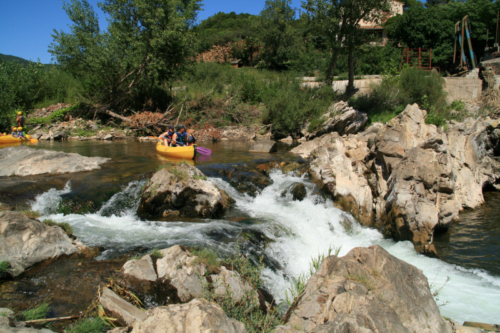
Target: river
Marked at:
467, 277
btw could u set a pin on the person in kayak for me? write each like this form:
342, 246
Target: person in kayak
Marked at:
168, 136
180, 138
20, 119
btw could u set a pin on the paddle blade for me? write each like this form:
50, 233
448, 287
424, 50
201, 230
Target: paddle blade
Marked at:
203, 151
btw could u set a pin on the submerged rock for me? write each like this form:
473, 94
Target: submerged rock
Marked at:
410, 177
264, 147
368, 290
198, 315
25, 242
299, 192
25, 161
184, 190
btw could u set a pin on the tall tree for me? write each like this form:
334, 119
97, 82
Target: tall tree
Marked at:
147, 42
278, 34
339, 21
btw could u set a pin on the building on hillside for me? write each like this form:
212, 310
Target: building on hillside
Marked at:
374, 28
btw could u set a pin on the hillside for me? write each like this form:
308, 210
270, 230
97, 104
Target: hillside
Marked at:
6, 57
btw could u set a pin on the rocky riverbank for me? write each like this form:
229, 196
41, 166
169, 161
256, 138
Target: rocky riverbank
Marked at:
406, 177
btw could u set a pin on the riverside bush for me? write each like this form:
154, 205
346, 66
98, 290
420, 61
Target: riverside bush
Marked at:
413, 85
222, 95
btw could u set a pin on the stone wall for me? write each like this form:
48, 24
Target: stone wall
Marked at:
465, 89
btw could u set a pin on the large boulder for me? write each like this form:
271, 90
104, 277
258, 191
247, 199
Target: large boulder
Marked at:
25, 242
264, 146
340, 118
182, 190
408, 177
368, 290
198, 315
25, 161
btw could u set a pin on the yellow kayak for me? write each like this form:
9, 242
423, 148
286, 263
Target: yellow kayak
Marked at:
11, 139
187, 152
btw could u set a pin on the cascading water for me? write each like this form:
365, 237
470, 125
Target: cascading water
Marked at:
298, 231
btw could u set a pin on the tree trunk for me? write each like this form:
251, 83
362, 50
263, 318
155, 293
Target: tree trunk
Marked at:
350, 61
331, 69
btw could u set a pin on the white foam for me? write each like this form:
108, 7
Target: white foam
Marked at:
299, 230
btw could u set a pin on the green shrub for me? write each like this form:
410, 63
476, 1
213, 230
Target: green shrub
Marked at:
38, 312
88, 325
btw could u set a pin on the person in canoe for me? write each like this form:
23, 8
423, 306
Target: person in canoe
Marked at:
15, 132
20, 133
168, 136
20, 119
181, 137
191, 139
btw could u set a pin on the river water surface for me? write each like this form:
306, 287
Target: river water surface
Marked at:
290, 232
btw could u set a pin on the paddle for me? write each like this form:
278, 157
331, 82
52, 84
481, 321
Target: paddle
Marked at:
203, 151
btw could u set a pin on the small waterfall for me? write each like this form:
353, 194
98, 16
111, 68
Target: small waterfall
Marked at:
48, 202
298, 230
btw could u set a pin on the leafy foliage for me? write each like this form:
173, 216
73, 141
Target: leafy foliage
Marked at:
4, 267
146, 43
278, 35
68, 229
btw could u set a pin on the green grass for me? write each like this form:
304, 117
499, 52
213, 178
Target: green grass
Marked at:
4, 313
4, 267
208, 258
68, 229
30, 214
88, 325
361, 279
84, 132
156, 253
200, 177
38, 312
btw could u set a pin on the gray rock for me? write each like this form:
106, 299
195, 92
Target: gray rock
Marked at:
108, 137
340, 118
61, 135
198, 315
179, 267
368, 290
120, 330
25, 242
25, 161
264, 147
182, 189
120, 309
230, 283
141, 269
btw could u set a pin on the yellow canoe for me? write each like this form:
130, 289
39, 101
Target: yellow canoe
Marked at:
11, 139
187, 152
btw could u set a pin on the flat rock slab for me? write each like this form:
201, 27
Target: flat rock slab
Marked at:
25, 161
125, 312
264, 147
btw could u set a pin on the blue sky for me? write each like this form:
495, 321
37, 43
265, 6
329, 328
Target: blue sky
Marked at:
26, 25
